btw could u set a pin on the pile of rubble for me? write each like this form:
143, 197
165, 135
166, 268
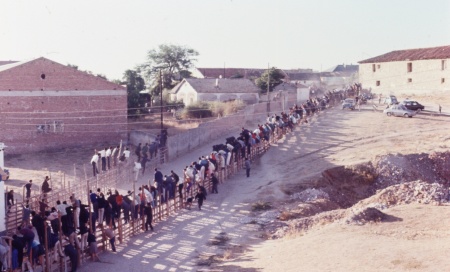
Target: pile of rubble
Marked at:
309, 195
410, 192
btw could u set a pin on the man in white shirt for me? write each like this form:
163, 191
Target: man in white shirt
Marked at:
103, 156
108, 156
94, 162
126, 153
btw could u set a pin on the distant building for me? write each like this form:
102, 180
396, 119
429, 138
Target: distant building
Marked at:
47, 105
247, 73
411, 71
191, 90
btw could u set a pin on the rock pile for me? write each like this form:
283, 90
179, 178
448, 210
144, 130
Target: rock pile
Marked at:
310, 195
409, 192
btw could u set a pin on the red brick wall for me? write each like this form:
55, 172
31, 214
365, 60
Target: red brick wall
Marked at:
92, 109
87, 120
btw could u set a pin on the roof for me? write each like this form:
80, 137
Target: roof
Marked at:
208, 85
3, 62
45, 74
231, 72
344, 68
289, 86
304, 76
441, 52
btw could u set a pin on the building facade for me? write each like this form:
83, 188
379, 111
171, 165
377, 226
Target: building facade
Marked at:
410, 72
192, 90
45, 105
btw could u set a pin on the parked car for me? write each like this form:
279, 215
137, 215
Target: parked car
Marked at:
413, 105
399, 110
348, 103
391, 100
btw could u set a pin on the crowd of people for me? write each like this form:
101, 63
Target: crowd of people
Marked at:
68, 227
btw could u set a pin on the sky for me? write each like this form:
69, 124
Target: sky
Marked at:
109, 37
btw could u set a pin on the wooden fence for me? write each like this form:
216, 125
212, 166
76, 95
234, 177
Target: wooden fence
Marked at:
109, 180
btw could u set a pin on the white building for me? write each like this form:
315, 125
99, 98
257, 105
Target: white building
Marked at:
411, 72
191, 90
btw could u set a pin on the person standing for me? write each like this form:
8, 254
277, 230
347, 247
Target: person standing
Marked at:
101, 206
94, 202
138, 151
76, 210
103, 157
149, 214
200, 196
45, 189
247, 167
10, 199
28, 189
215, 182
94, 162
108, 157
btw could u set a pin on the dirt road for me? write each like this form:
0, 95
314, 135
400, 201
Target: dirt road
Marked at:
220, 236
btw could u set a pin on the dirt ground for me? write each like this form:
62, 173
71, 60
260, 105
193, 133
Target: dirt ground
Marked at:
231, 232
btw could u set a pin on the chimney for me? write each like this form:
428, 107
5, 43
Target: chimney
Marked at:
217, 83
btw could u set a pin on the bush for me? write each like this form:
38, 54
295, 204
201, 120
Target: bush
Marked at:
197, 110
211, 109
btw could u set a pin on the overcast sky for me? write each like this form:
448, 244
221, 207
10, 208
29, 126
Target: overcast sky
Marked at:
111, 36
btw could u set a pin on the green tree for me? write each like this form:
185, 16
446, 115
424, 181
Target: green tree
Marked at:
273, 77
135, 83
173, 61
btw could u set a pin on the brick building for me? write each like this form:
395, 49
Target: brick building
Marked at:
420, 71
45, 105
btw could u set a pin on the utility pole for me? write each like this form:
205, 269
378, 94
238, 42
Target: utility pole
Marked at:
161, 91
268, 88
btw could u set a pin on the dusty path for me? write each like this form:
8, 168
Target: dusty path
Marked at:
335, 137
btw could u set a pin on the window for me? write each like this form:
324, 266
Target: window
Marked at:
409, 80
443, 64
378, 83
442, 80
409, 67
378, 66
373, 68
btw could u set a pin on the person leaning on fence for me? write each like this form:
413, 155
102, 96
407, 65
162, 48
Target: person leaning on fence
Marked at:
93, 249
114, 155
109, 233
10, 200
214, 182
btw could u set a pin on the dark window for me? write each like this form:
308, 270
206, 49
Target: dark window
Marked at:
409, 67
378, 83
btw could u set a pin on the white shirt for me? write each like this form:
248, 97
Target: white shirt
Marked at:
94, 159
148, 196
62, 209
108, 152
127, 153
102, 153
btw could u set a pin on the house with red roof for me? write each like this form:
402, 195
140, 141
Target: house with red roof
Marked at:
410, 71
47, 105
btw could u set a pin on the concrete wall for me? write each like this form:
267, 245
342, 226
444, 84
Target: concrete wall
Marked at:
425, 78
214, 132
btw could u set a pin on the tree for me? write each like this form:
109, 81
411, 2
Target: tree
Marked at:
273, 77
172, 60
135, 83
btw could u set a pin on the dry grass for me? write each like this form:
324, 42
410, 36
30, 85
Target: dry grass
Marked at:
261, 206
292, 233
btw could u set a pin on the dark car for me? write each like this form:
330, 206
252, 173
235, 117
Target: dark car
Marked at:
413, 105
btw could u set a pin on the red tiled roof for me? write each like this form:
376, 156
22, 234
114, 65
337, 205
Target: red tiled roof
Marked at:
26, 76
441, 52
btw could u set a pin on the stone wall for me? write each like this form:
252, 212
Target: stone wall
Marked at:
215, 132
